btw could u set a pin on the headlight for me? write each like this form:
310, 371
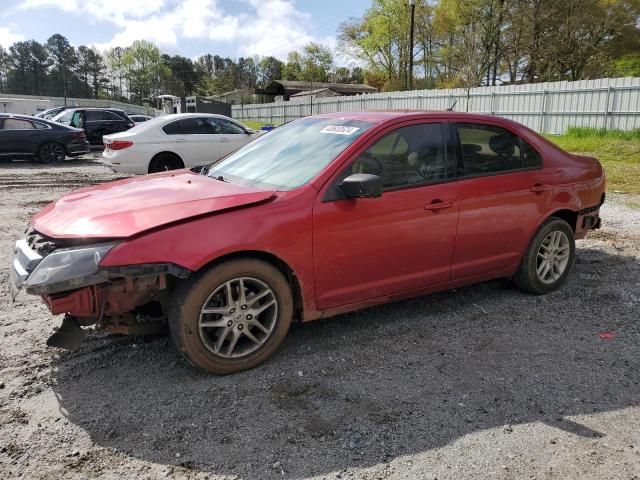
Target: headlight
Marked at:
68, 269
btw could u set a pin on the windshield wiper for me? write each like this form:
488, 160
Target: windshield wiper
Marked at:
221, 179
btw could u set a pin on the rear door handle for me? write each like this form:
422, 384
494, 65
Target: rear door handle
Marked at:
539, 188
179, 140
438, 205
224, 140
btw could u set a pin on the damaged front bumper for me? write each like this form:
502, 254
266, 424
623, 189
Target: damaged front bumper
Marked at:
71, 282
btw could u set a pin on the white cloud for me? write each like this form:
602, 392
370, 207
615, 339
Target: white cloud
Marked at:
265, 27
7, 37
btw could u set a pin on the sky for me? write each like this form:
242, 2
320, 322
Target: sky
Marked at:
232, 28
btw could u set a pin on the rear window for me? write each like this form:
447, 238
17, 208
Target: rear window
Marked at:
17, 124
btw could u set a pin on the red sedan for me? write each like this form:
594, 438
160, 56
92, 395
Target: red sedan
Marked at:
324, 215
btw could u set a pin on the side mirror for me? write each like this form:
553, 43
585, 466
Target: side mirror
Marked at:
362, 185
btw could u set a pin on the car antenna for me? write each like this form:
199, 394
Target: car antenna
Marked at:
450, 109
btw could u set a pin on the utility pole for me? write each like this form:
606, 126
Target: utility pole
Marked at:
412, 4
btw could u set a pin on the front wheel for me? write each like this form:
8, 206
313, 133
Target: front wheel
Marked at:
51, 152
231, 317
548, 259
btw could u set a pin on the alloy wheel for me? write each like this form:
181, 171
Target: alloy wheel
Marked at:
238, 317
553, 257
52, 153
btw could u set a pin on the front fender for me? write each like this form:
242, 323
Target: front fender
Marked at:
281, 228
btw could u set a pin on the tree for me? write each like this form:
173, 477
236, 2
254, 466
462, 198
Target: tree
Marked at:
380, 39
293, 68
144, 69
627, 66
5, 64
115, 66
317, 63
64, 58
185, 76
270, 69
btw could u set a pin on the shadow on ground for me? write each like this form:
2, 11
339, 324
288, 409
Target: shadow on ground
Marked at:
377, 384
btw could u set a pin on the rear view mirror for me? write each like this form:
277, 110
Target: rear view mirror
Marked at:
362, 185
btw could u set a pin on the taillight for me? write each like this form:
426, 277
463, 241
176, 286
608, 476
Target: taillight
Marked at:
79, 136
118, 145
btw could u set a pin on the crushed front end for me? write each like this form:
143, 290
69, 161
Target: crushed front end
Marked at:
68, 276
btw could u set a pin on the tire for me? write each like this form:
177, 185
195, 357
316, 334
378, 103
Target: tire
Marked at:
51, 152
196, 334
165, 161
536, 276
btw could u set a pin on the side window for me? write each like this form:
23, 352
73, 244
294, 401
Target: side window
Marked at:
488, 149
407, 156
531, 158
66, 118
93, 115
40, 126
194, 126
187, 126
16, 124
172, 128
111, 116
230, 128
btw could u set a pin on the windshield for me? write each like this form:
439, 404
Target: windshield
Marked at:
290, 155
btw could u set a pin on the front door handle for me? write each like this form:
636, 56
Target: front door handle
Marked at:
438, 205
539, 188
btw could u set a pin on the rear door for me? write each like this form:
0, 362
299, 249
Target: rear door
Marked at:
503, 194
18, 136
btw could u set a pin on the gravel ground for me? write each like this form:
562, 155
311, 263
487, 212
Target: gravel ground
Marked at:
481, 382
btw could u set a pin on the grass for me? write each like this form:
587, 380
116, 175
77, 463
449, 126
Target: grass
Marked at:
253, 125
618, 151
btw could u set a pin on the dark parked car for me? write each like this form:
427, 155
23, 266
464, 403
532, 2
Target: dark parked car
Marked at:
51, 112
96, 122
49, 142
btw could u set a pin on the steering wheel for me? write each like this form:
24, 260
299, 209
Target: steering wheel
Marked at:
372, 164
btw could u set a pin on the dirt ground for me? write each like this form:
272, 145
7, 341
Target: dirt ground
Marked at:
482, 382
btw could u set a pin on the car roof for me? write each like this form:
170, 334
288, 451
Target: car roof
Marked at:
20, 116
175, 116
390, 116
97, 108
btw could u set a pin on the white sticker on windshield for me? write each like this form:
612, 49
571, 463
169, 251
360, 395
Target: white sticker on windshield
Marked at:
339, 129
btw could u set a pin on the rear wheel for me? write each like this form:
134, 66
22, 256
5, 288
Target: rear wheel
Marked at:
165, 161
231, 317
548, 259
51, 152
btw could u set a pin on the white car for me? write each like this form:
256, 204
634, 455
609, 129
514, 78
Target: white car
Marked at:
175, 141
140, 118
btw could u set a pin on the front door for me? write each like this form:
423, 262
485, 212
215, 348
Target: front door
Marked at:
229, 136
194, 140
503, 194
401, 241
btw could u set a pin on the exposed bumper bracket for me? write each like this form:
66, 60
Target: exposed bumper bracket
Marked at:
69, 336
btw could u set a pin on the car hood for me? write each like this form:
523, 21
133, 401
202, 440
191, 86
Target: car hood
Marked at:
128, 207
